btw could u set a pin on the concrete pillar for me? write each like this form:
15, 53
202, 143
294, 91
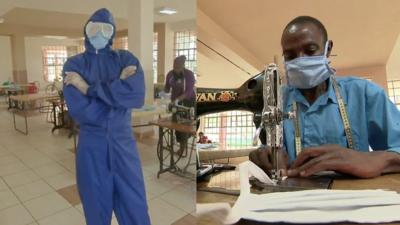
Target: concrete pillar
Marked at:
169, 48
18, 59
140, 39
165, 50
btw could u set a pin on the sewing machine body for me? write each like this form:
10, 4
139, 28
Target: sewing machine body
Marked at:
181, 114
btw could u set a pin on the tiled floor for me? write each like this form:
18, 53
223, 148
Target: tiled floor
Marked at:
38, 187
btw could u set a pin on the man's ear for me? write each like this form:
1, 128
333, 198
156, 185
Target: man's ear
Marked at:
330, 46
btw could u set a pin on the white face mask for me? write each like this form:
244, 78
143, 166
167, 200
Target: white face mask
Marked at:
309, 71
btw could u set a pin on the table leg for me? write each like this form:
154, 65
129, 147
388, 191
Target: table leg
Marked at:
9, 102
54, 117
190, 155
171, 149
62, 114
26, 125
161, 150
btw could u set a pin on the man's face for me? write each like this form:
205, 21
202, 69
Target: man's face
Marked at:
302, 40
178, 67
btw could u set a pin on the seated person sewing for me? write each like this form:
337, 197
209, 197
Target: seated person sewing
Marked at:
180, 82
203, 139
323, 143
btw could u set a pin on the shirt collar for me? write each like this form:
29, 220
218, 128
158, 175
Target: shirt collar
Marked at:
331, 91
295, 95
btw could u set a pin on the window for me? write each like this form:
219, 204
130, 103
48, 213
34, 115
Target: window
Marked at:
185, 44
54, 58
121, 43
394, 92
232, 129
155, 56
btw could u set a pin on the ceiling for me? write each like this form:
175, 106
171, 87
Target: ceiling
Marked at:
72, 14
51, 19
364, 32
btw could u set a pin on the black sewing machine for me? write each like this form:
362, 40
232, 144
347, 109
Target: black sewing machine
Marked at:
260, 95
181, 114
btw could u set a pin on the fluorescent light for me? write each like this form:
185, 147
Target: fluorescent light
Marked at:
1, 20
55, 37
167, 11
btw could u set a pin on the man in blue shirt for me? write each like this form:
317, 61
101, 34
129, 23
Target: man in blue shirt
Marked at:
374, 121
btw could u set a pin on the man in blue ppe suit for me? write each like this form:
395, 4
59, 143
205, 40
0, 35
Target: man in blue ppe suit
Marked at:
338, 119
102, 85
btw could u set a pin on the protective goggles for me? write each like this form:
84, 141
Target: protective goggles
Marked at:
92, 28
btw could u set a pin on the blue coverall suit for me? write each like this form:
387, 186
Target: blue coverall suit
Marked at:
109, 173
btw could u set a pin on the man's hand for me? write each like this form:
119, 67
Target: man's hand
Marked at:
339, 159
73, 78
262, 157
127, 72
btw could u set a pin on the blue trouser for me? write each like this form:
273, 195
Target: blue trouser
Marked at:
109, 177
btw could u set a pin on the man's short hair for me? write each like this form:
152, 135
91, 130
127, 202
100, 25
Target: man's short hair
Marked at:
300, 20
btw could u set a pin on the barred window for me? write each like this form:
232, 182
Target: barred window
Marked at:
155, 56
231, 129
185, 44
54, 58
394, 92
120, 43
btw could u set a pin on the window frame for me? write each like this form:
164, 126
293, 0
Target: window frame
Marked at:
185, 43
231, 129
53, 58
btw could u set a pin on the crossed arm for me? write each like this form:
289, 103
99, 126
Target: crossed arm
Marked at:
92, 104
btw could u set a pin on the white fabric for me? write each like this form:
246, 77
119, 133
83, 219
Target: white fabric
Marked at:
311, 206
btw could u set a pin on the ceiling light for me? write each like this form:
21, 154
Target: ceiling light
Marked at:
1, 20
55, 37
167, 11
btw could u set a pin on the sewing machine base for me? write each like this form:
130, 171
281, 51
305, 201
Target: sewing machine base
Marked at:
292, 184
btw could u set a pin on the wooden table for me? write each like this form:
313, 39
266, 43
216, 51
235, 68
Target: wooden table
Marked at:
221, 152
165, 146
13, 89
157, 111
20, 107
390, 182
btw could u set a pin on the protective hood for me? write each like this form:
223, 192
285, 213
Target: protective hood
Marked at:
104, 16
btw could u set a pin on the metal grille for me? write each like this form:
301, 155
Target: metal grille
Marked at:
232, 129
54, 58
394, 92
155, 57
185, 44
120, 43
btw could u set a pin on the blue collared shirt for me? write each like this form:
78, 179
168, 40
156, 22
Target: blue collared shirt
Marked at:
374, 119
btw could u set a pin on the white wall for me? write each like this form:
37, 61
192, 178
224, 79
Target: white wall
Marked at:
393, 63
34, 60
5, 59
183, 25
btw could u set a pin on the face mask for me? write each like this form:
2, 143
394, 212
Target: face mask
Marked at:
308, 72
99, 41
